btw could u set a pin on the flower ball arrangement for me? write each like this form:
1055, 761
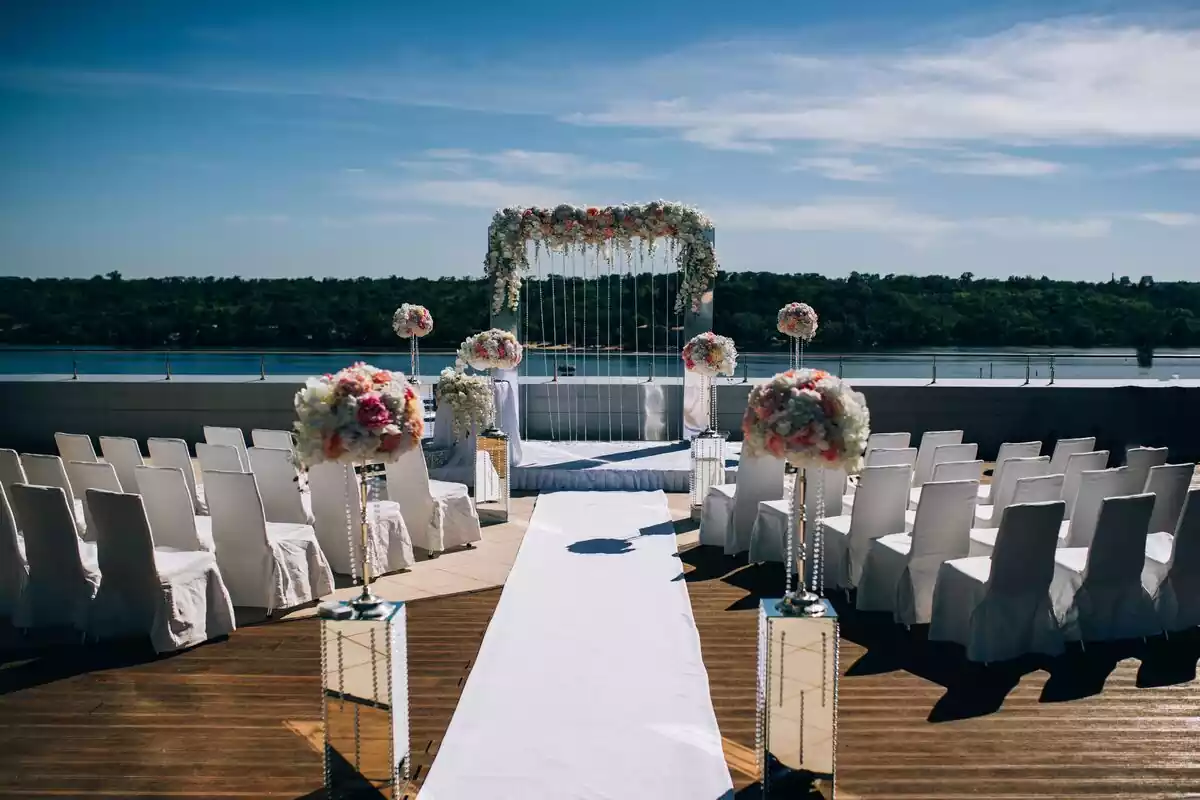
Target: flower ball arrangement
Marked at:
809, 418
411, 321
469, 398
492, 349
710, 355
798, 320
356, 416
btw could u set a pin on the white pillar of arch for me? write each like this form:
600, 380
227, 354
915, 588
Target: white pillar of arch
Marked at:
695, 322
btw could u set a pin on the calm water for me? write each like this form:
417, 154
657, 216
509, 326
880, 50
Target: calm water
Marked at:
879, 364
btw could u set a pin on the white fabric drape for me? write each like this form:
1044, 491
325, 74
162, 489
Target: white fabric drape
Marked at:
508, 412
438, 515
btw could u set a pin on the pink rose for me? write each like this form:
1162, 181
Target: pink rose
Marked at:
372, 413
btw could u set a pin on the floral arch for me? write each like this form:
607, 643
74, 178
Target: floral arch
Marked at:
565, 227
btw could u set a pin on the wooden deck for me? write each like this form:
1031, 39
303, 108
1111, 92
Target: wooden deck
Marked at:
241, 718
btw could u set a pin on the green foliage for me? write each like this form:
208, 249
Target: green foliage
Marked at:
860, 312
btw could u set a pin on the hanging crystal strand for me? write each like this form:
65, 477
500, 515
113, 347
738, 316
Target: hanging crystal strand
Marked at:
557, 415
792, 500
621, 349
818, 534
349, 502
712, 404
800, 346
608, 333
583, 330
637, 348
525, 363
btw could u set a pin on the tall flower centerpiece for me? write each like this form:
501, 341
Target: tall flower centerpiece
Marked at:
491, 349
469, 398
411, 322
709, 355
797, 321
812, 420
360, 416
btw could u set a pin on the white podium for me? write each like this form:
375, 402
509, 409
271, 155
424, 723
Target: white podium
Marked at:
797, 696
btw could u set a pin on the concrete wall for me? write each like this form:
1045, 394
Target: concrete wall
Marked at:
989, 412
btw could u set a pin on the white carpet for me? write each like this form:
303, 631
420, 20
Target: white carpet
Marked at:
589, 684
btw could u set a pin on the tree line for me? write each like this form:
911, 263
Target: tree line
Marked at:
859, 312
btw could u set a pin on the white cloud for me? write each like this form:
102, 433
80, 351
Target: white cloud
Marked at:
839, 168
468, 193
1170, 219
532, 162
250, 219
886, 217
1188, 163
380, 219
999, 165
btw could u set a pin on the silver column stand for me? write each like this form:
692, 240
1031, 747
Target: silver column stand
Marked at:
800, 602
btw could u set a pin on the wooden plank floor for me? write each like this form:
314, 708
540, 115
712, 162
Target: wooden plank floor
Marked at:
241, 718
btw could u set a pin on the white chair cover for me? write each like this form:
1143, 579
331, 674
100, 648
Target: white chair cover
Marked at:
958, 471
1077, 464
1095, 486
75, 447
1065, 448
1098, 593
439, 515
1169, 484
999, 607
265, 564
508, 411
716, 514
944, 453
174, 453
176, 598
923, 469
86, 475
1140, 460
280, 440
218, 458
758, 478
44, 470
897, 440
169, 508
337, 507
901, 569
891, 456
768, 538
1177, 595
1008, 451
988, 516
63, 571
125, 455
279, 485
881, 501
1040, 489
11, 470
14, 572
230, 437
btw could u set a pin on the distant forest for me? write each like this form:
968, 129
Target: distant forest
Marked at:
857, 313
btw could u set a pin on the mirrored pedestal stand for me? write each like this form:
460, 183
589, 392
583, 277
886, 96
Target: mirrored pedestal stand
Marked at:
364, 683
796, 733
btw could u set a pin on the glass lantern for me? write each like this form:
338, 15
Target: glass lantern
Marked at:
707, 467
492, 478
796, 733
364, 681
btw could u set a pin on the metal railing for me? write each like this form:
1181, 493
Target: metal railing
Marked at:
595, 363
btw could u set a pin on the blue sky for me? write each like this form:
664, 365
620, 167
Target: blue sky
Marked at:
287, 138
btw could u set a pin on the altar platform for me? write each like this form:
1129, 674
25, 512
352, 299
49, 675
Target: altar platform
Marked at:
599, 466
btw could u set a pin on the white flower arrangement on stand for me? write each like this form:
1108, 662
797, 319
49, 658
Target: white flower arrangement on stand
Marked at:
412, 322
566, 226
797, 321
491, 349
710, 355
470, 400
812, 420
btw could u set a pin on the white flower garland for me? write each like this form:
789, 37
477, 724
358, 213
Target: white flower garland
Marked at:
470, 400
810, 418
710, 355
564, 226
492, 349
412, 320
798, 320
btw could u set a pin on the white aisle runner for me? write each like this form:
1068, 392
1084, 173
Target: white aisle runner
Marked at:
589, 684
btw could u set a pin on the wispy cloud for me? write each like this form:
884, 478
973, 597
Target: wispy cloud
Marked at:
998, 165
468, 193
886, 217
1170, 219
530, 162
260, 219
377, 220
839, 168
1188, 163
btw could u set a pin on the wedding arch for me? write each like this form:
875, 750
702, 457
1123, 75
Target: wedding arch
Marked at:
559, 279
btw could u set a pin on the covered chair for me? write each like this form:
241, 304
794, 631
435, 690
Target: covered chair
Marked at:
1139, 461
174, 453
14, 571
1077, 464
1038, 489
75, 447
279, 484
229, 437
11, 470
86, 475
1097, 591
269, 565
1008, 452
942, 454
169, 508
439, 515
881, 500
44, 470
1169, 484
1177, 565
278, 440
125, 455
1065, 448
930, 441
63, 571
1094, 488
998, 607
768, 538
988, 516
218, 458
337, 506
727, 519
900, 569
176, 598
899, 439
